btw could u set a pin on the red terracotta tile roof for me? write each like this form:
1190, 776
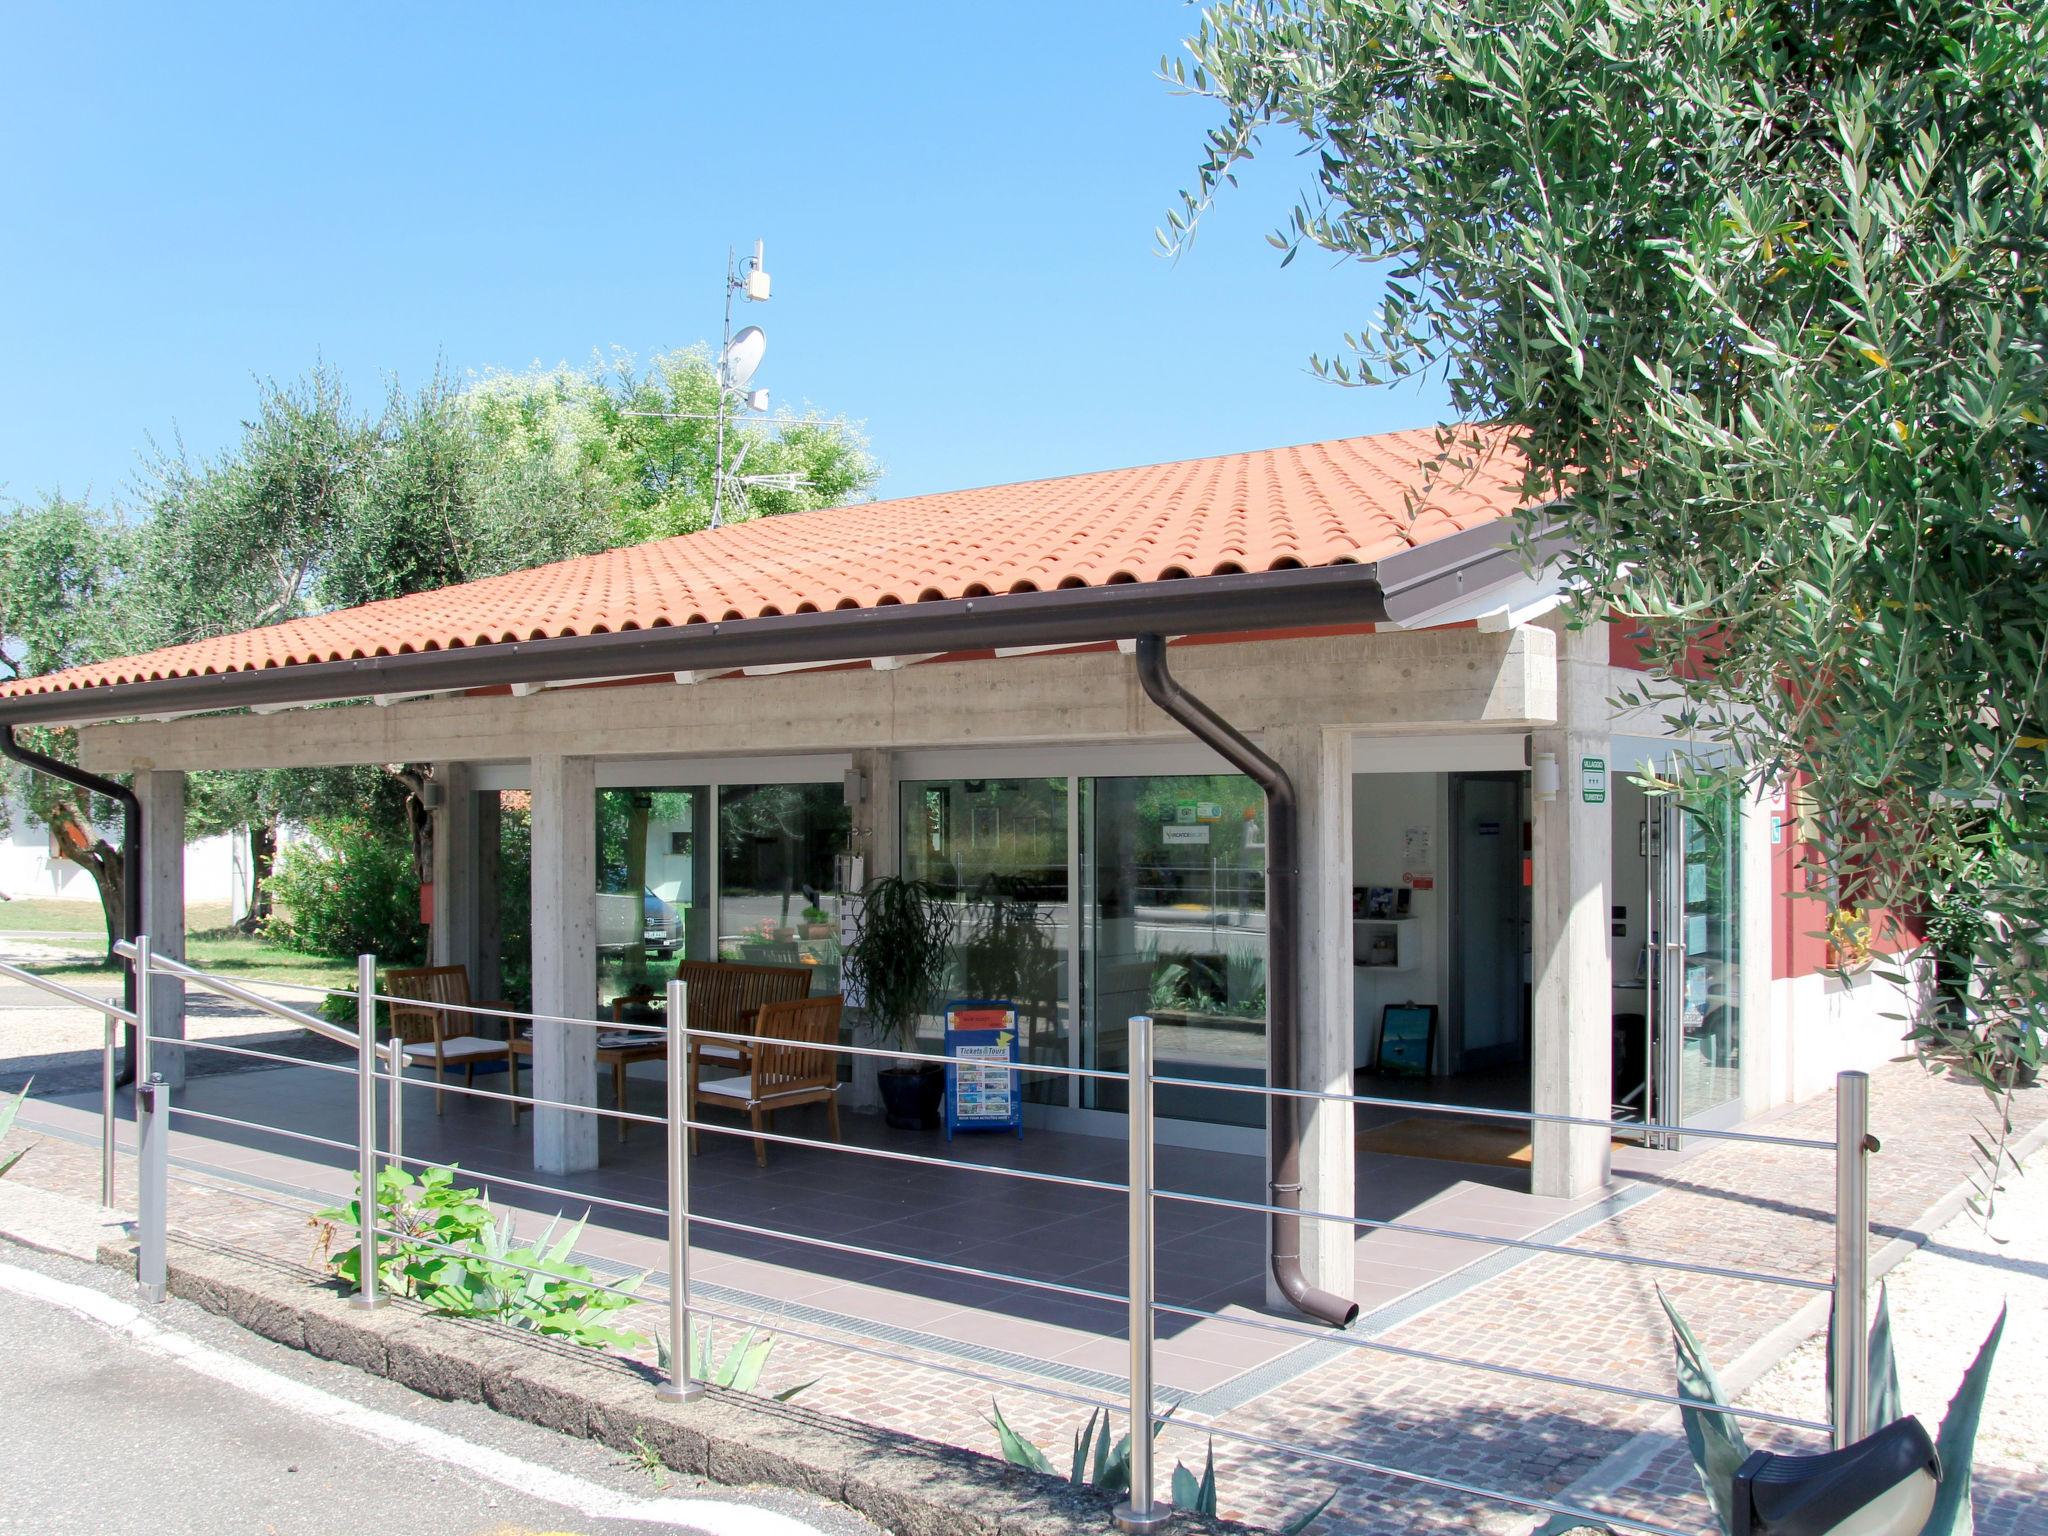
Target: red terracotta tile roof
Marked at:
1319, 504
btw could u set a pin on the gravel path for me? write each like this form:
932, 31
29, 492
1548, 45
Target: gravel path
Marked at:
59, 1045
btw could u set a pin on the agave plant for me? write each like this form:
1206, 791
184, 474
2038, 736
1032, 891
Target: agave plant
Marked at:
1106, 1467
8, 1110
1719, 1448
740, 1370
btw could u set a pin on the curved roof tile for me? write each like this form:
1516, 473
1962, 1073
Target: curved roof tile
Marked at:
1317, 504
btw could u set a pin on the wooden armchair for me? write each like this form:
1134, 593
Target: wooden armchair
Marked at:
788, 1067
434, 1036
726, 997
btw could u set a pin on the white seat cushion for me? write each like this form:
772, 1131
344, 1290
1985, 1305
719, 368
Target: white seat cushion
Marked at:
718, 1050
461, 1048
740, 1089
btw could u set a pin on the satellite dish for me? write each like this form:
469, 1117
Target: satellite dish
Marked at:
742, 356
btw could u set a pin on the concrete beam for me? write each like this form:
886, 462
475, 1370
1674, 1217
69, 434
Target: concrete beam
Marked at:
564, 960
453, 938
1571, 1033
1459, 679
1319, 762
163, 912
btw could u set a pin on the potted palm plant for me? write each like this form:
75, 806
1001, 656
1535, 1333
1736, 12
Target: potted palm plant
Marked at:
897, 962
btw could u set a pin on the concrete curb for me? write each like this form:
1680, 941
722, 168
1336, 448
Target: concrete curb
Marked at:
910, 1487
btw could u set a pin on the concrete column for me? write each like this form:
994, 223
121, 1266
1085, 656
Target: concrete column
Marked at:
163, 911
1572, 1047
564, 959
1319, 762
488, 979
453, 940
878, 819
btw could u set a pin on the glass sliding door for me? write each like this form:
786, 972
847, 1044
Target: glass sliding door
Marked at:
997, 848
1695, 959
778, 902
1709, 999
1174, 888
653, 887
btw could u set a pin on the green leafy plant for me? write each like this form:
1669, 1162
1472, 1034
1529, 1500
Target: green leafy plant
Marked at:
447, 1251
900, 954
1097, 1463
740, 1370
1007, 951
8, 1110
648, 1460
349, 890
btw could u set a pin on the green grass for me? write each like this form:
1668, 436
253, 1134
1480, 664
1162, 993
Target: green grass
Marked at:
232, 955
36, 914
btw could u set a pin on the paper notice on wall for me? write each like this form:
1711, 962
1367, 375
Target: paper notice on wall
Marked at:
1418, 862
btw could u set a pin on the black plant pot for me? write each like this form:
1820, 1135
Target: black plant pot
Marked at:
911, 1097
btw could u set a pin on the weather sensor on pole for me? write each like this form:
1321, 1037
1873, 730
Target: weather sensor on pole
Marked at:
739, 358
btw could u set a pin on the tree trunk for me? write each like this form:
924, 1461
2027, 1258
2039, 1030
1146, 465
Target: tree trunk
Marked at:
262, 860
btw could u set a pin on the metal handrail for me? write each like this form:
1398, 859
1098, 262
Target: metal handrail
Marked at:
240, 994
1647, 1261
69, 994
1480, 1112
1851, 1148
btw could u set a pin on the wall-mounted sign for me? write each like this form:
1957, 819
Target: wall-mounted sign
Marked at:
1593, 780
982, 1091
1179, 834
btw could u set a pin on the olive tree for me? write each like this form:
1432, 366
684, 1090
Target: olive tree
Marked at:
1758, 288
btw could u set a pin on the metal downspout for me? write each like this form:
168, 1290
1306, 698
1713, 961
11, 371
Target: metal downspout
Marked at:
1283, 972
131, 855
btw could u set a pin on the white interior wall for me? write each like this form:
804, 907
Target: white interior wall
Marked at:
1385, 807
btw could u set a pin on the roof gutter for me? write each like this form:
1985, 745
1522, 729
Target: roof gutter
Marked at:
1394, 590
131, 855
1283, 975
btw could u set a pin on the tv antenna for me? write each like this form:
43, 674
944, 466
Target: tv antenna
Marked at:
739, 359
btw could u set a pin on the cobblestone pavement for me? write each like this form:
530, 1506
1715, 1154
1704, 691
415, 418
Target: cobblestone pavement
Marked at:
1743, 1206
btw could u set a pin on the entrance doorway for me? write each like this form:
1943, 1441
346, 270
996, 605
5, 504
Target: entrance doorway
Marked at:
1490, 911
1677, 924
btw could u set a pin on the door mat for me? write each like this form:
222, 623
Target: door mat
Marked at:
1452, 1141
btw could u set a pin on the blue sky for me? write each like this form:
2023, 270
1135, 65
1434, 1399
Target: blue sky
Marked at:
958, 203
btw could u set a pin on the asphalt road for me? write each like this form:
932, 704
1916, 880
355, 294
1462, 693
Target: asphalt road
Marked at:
167, 1421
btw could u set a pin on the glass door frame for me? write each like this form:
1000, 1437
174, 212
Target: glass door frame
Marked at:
1074, 763
1667, 864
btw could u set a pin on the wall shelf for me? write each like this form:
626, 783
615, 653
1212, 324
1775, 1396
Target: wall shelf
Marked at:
1366, 932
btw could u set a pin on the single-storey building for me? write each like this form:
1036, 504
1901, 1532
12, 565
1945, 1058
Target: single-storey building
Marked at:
1289, 749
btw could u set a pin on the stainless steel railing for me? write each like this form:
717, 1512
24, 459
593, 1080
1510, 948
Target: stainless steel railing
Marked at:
1142, 1510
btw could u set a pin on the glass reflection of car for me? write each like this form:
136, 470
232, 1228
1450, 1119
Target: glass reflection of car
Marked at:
655, 922
662, 919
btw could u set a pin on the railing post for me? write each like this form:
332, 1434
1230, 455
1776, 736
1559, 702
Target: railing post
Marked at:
394, 1106
152, 1144
107, 1115
366, 1131
679, 1387
142, 1048
1140, 1512
1850, 1410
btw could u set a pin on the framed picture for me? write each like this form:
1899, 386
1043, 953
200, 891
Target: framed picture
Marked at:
1407, 1039
1379, 901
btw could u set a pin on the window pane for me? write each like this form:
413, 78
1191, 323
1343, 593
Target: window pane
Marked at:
998, 849
777, 850
653, 887
1711, 928
1176, 900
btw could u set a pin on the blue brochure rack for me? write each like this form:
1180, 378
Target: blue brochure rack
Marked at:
983, 1092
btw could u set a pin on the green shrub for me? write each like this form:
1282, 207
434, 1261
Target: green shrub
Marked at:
450, 1253
348, 890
